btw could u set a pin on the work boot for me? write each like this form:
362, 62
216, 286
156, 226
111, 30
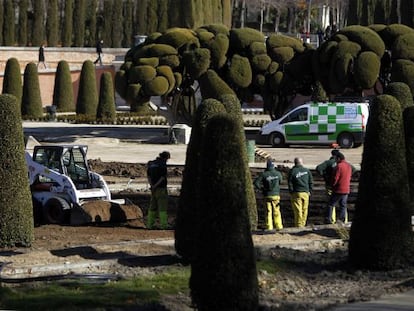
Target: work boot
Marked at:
164, 220
151, 219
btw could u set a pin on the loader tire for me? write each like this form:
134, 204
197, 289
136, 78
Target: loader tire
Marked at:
55, 210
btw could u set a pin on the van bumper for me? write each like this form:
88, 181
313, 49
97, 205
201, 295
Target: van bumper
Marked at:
262, 139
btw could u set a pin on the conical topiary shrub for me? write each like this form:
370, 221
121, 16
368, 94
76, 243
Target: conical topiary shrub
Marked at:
223, 268
381, 235
87, 101
16, 210
106, 107
31, 100
186, 223
12, 81
408, 116
63, 97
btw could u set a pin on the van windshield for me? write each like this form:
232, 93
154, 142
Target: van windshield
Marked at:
297, 115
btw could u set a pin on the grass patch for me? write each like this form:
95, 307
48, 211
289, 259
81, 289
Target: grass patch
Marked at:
75, 294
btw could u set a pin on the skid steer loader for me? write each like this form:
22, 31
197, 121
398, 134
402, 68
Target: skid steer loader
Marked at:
65, 190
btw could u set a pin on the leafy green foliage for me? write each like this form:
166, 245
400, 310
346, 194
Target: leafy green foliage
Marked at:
381, 236
87, 100
16, 211
12, 80
31, 100
106, 105
63, 97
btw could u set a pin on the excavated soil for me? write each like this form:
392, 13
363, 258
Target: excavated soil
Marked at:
311, 269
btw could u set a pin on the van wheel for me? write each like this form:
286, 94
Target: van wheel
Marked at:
55, 210
346, 140
277, 140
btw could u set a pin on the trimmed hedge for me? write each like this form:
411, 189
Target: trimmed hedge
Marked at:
31, 100
106, 106
63, 97
87, 101
12, 81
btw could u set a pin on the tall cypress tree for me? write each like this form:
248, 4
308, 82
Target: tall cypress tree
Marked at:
141, 17
67, 24
128, 17
107, 26
79, 23
16, 210
117, 25
381, 236
1, 23
12, 81
31, 99
106, 106
63, 90
22, 31
223, 269
52, 23
38, 30
186, 223
87, 100
91, 21
9, 23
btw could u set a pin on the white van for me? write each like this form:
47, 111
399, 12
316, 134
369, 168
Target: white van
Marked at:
318, 123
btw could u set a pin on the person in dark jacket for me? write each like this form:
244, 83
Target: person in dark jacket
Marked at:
268, 182
99, 46
341, 187
157, 178
300, 183
42, 57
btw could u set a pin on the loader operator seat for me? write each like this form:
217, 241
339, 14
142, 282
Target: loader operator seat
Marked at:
75, 167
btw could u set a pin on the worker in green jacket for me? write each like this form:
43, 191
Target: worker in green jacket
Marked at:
300, 184
268, 182
157, 178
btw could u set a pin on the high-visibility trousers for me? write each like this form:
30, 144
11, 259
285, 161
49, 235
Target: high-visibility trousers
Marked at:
300, 204
273, 214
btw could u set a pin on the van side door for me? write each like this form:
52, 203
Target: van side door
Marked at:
296, 125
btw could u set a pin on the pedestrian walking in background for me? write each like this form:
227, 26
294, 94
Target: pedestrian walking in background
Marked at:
157, 178
99, 46
341, 187
300, 183
268, 182
41, 59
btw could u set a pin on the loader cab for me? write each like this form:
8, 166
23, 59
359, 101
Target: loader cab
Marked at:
67, 160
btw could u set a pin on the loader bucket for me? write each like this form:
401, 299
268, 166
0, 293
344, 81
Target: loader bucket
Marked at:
98, 211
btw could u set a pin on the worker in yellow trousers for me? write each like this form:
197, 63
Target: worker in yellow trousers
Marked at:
268, 182
300, 184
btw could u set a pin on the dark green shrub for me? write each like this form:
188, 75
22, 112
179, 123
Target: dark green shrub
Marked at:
261, 62
87, 101
150, 61
31, 101
218, 49
12, 80
67, 24
223, 270
403, 71
275, 80
282, 55
380, 236
273, 67
169, 60
242, 38
402, 46
196, 62
16, 210
22, 24
156, 87
63, 97
167, 73
142, 74
408, 117
38, 28
392, 32
278, 40
178, 37
106, 106
205, 37
79, 26
121, 83
368, 39
327, 49
187, 218
240, 71
212, 86
52, 23
257, 48
132, 94
401, 91
9, 23
155, 50
217, 29
347, 47
366, 69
